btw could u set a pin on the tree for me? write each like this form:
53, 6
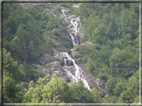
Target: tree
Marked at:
96, 96
31, 84
9, 90
19, 43
81, 94
132, 89
90, 64
55, 91
47, 91
12, 92
110, 85
11, 66
119, 88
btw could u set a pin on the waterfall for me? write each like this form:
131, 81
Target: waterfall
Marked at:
75, 40
78, 72
65, 62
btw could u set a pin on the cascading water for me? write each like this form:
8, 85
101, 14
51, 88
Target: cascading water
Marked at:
75, 40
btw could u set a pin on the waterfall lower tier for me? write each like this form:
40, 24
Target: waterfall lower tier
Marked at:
69, 70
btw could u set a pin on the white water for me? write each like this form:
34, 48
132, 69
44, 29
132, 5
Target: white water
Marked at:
73, 27
78, 71
74, 23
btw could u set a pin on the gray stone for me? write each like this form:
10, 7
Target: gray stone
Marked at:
54, 66
61, 60
69, 63
46, 59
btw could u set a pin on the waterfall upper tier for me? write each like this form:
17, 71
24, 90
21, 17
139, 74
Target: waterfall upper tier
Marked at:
74, 24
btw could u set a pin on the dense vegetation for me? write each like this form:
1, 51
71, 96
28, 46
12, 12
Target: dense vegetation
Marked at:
112, 52
24, 40
57, 90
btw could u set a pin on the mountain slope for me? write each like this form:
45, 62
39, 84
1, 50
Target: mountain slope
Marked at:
108, 52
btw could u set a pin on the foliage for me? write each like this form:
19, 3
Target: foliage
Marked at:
112, 31
11, 66
132, 89
24, 37
56, 90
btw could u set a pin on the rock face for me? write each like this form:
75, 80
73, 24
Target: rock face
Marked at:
95, 83
61, 60
69, 63
46, 59
43, 69
54, 66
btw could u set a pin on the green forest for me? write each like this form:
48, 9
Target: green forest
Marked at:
108, 50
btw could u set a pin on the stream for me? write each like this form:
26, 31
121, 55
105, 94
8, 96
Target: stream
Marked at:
74, 72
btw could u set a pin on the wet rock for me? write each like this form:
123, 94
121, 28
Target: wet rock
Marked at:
69, 63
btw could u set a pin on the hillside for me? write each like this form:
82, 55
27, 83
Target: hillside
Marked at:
70, 52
